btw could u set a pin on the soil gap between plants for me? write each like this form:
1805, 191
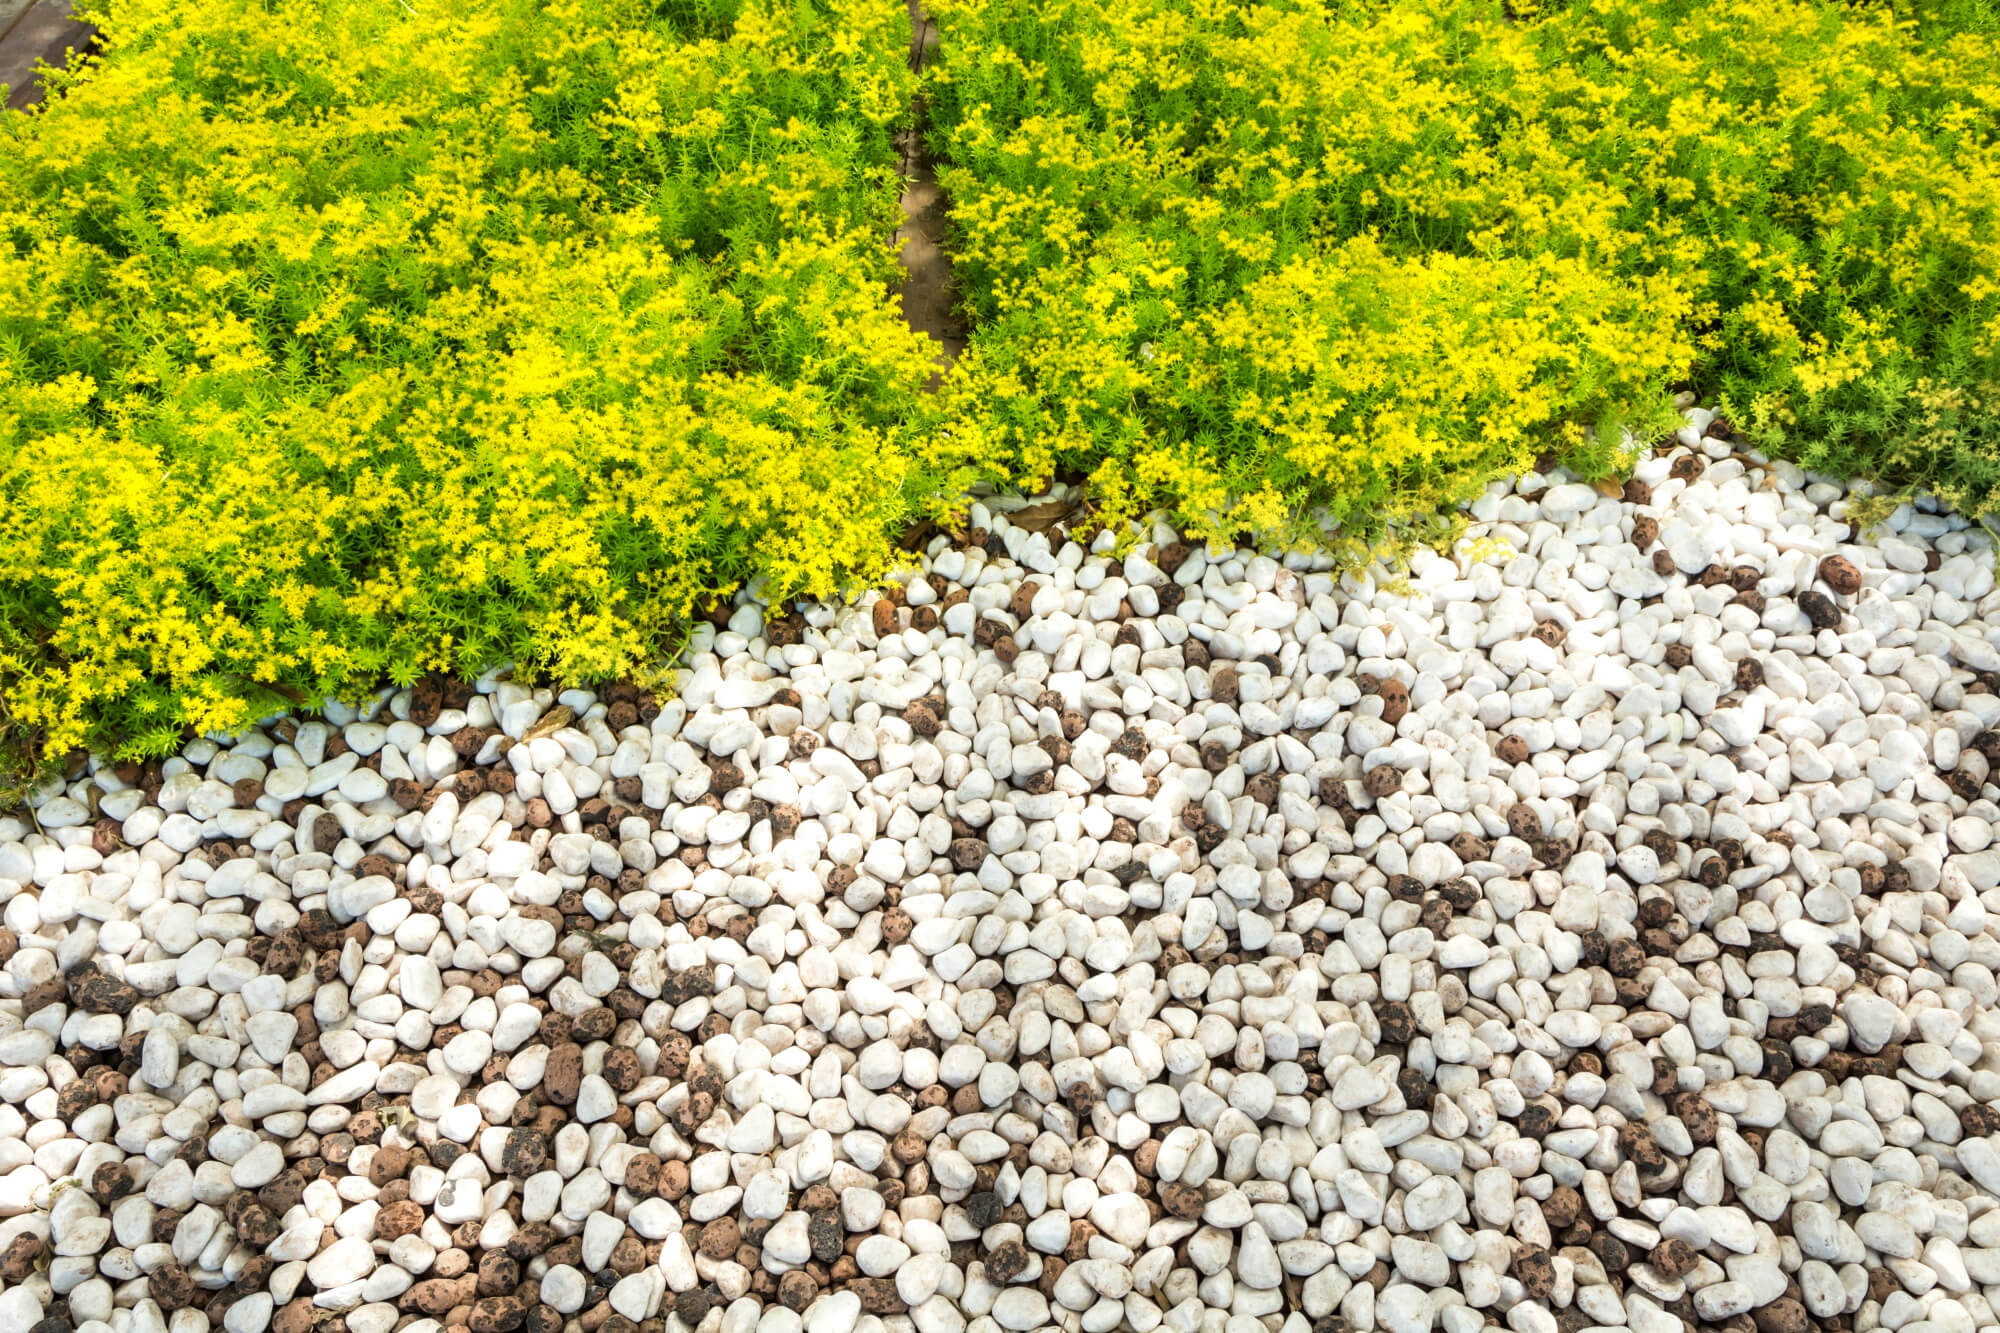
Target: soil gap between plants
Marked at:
927, 293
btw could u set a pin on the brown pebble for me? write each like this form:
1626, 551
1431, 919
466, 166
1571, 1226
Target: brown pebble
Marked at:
563, 1074
1006, 1261
18, 1262
294, 1316
1183, 1201
797, 1290
1536, 1272
523, 1152
1838, 573
498, 1314
399, 1219
1381, 780
388, 1163
1673, 1258
171, 1286
1784, 1315
720, 1238
878, 1295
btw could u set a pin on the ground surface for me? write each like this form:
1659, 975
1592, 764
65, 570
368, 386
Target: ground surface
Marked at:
34, 31
1597, 928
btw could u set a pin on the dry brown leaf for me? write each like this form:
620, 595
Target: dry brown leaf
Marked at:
551, 722
1610, 486
1043, 515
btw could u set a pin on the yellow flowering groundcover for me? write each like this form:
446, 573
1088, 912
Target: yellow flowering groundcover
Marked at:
1254, 261
345, 339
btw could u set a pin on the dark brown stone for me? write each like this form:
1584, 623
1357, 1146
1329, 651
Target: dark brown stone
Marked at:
1673, 1258
1006, 1261
97, 993
1820, 610
1784, 1315
18, 1263
171, 1286
1535, 1271
797, 1290
1563, 1208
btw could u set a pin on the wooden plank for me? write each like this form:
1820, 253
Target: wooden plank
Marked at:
10, 14
46, 31
927, 295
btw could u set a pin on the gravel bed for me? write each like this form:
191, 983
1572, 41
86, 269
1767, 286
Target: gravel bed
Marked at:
1596, 928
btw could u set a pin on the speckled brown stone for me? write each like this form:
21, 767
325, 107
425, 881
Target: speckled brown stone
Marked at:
435, 1296
294, 1316
1006, 1261
1673, 1258
498, 1273
563, 1074
720, 1238
1838, 573
498, 1314
878, 1295
94, 991
398, 1219
18, 1262
171, 1286
797, 1290
1784, 1315
1536, 1272
523, 1152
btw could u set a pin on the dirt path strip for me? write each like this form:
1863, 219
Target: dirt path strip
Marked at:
31, 31
927, 294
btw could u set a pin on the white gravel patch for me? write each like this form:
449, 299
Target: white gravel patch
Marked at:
1596, 927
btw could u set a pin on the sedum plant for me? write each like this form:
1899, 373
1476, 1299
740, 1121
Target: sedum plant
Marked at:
1258, 261
342, 341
